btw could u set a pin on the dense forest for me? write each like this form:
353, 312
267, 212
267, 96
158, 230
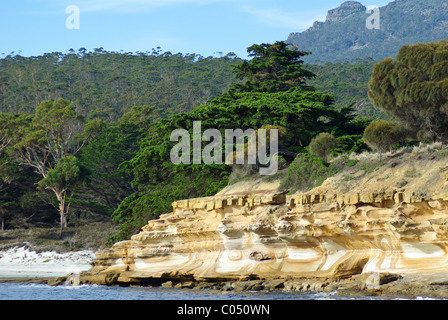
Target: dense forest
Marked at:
348, 83
98, 144
103, 84
116, 108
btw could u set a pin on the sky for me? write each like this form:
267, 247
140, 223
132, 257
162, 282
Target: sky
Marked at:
205, 27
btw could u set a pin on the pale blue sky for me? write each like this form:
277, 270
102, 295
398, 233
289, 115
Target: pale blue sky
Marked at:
205, 27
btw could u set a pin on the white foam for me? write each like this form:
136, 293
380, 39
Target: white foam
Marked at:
21, 262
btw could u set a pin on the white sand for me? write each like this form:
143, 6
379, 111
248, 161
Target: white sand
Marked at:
20, 262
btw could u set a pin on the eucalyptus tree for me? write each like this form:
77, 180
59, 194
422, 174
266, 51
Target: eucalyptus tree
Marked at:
49, 144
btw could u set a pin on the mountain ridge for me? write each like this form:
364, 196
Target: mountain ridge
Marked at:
345, 34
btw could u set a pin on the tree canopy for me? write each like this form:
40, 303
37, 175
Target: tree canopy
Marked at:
48, 144
273, 68
106, 84
321, 145
381, 135
413, 89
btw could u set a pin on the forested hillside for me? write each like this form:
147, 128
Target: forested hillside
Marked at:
348, 83
274, 93
107, 84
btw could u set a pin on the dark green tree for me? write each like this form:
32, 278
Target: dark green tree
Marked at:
273, 67
280, 98
413, 89
110, 183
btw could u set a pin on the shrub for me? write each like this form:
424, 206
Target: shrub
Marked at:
321, 145
352, 163
380, 135
306, 172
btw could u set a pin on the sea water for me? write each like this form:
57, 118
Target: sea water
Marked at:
21, 262
35, 291
169, 303
150, 302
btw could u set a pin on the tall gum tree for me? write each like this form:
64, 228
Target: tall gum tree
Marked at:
49, 144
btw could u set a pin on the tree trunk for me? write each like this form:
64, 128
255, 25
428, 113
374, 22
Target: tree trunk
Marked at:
62, 213
2, 217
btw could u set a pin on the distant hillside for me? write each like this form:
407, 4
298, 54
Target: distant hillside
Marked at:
344, 35
107, 84
348, 83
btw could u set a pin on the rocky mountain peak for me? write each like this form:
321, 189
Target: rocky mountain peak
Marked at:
345, 9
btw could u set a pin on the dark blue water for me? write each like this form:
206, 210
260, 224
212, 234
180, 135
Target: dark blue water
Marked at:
32, 291
128, 302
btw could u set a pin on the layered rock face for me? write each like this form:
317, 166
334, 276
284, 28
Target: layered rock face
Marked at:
268, 234
272, 235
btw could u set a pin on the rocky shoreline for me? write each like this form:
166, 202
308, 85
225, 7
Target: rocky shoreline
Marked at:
362, 286
383, 286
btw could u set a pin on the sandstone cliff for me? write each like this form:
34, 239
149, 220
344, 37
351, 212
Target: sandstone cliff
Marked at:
375, 217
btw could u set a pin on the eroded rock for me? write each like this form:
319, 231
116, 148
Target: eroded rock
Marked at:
315, 235
307, 241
